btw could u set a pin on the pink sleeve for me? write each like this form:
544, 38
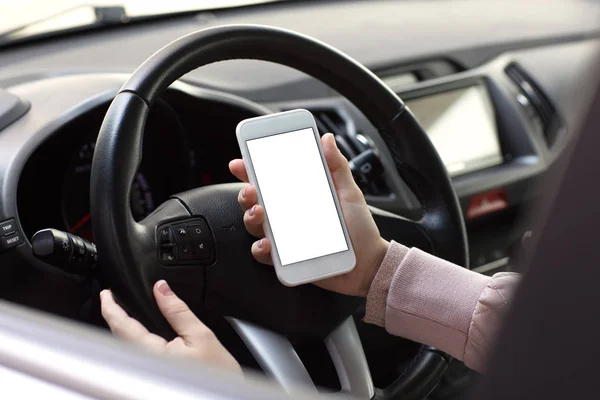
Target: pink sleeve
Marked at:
426, 299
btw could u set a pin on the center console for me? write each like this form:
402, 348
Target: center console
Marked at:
494, 129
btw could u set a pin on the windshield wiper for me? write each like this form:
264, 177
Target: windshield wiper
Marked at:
103, 15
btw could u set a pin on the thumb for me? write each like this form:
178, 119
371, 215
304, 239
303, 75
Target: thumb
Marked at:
178, 314
339, 168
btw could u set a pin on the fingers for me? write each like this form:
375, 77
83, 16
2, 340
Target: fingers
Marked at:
238, 168
253, 219
177, 313
339, 168
261, 251
247, 197
125, 327
255, 214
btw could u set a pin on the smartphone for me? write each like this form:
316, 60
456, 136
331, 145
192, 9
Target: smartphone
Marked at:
303, 218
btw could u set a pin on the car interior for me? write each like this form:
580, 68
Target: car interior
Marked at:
112, 130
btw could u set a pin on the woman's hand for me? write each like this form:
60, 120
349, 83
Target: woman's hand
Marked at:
195, 339
369, 246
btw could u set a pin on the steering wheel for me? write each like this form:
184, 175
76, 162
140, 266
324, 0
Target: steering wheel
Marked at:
228, 280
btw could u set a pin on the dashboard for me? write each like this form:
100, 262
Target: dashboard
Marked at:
187, 144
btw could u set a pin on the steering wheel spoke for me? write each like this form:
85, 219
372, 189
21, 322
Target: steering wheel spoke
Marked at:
278, 359
402, 230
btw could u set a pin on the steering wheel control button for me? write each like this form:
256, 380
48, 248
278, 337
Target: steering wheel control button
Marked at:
185, 242
202, 250
185, 251
181, 234
168, 256
165, 237
7, 227
199, 231
202, 240
10, 240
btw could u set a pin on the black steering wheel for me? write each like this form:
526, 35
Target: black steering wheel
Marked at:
228, 280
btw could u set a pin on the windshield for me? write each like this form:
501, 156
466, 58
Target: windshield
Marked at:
21, 18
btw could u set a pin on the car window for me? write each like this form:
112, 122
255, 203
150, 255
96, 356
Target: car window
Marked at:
30, 17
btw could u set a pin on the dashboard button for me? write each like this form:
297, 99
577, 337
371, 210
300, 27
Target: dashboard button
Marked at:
7, 227
487, 203
11, 240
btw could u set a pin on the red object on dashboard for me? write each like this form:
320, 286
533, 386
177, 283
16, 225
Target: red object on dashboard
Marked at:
487, 203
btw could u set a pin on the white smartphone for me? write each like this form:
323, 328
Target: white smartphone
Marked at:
303, 218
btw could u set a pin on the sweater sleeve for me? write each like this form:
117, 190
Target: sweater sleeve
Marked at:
435, 302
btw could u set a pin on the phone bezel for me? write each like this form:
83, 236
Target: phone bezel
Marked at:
312, 269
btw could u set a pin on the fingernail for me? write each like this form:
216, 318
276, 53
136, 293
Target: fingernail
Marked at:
260, 243
252, 211
164, 289
244, 191
103, 292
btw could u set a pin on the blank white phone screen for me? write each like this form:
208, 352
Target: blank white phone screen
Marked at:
297, 197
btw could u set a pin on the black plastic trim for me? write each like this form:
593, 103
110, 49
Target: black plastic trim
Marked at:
545, 111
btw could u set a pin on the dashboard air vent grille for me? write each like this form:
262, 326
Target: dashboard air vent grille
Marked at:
350, 143
543, 108
330, 121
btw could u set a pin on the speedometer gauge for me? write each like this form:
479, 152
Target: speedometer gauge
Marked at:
76, 194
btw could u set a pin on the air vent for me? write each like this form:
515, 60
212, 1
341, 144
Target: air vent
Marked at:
541, 106
399, 77
330, 120
350, 143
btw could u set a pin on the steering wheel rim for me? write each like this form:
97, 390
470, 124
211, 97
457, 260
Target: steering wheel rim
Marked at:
128, 248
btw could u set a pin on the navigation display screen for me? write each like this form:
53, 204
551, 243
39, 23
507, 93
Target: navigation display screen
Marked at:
462, 126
